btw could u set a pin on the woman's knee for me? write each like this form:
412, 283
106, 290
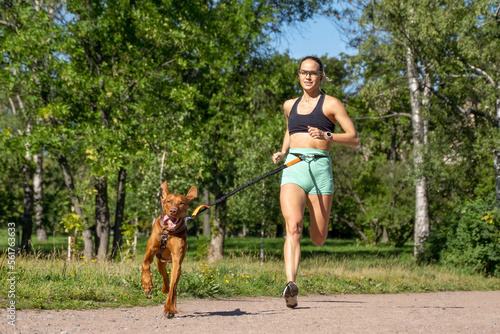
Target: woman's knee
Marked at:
294, 228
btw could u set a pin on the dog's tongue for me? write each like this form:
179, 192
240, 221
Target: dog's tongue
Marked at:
170, 221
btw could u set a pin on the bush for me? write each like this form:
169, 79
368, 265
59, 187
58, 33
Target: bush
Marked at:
475, 245
433, 247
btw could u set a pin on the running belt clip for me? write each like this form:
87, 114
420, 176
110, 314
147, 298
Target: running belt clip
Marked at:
309, 156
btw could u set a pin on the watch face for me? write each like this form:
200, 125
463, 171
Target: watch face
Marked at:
328, 135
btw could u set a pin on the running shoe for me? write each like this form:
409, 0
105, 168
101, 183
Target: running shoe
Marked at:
290, 294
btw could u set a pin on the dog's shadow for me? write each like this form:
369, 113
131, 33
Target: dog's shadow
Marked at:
237, 312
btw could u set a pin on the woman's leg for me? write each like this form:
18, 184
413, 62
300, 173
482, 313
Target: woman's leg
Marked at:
293, 203
319, 207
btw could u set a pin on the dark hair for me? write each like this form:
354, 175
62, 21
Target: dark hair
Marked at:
316, 59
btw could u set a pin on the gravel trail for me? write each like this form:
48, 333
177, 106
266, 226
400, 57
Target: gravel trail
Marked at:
443, 312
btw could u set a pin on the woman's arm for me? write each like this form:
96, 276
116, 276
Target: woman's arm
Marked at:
333, 107
287, 106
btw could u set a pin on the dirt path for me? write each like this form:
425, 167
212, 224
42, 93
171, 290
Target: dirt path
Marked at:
445, 312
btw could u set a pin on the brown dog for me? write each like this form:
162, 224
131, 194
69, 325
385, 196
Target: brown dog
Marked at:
168, 243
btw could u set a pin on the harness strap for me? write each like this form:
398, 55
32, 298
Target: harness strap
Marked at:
164, 237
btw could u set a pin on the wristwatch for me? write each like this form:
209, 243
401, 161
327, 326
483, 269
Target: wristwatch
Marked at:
328, 135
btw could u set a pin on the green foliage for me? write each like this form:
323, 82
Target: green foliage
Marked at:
475, 245
72, 223
10, 191
201, 248
126, 85
433, 248
129, 229
201, 284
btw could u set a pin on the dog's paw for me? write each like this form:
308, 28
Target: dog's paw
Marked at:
170, 311
147, 288
147, 283
165, 288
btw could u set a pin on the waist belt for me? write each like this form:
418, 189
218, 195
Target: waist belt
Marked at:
309, 156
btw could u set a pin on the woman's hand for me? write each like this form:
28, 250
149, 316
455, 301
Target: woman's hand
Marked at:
316, 133
278, 156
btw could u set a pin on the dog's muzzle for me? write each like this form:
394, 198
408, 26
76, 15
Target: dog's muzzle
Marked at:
170, 222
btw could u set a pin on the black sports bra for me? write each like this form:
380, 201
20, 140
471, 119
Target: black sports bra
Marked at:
316, 118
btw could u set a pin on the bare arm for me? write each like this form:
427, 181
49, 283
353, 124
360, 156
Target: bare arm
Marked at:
278, 156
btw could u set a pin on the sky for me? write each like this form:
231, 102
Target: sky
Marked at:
316, 37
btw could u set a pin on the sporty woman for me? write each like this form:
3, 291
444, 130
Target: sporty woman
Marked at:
311, 120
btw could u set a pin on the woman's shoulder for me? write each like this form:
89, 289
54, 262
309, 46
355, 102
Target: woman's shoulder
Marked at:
332, 103
332, 100
289, 104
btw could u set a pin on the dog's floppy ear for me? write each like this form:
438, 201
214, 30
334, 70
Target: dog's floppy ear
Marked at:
165, 188
192, 194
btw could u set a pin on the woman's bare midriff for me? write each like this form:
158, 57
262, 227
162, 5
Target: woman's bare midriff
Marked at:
304, 140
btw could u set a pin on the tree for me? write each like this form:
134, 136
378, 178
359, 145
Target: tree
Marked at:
426, 36
29, 61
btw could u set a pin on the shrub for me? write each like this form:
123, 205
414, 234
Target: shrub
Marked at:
475, 245
433, 247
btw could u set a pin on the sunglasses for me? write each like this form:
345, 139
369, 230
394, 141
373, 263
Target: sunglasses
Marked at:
313, 74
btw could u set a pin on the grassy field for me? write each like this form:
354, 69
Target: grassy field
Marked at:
48, 280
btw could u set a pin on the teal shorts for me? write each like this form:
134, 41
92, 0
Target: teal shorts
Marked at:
313, 175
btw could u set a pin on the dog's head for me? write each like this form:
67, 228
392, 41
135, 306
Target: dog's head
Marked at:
175, 205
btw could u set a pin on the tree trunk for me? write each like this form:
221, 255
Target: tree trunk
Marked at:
422, 226
216, 251
498, 108
206, 215
28, 209
41, 230
88, 245
28, 193
263, 223
392, 154
88, 250
102, 217
119, 214
497, 158
497, 175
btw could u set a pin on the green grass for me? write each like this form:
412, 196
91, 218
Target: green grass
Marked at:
47, 280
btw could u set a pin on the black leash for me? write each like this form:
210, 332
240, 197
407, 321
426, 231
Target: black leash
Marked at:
299, 156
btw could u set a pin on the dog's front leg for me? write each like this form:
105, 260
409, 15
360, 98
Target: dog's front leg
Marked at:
178, 247
162, 268
171, 307
152, 248
147, 282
